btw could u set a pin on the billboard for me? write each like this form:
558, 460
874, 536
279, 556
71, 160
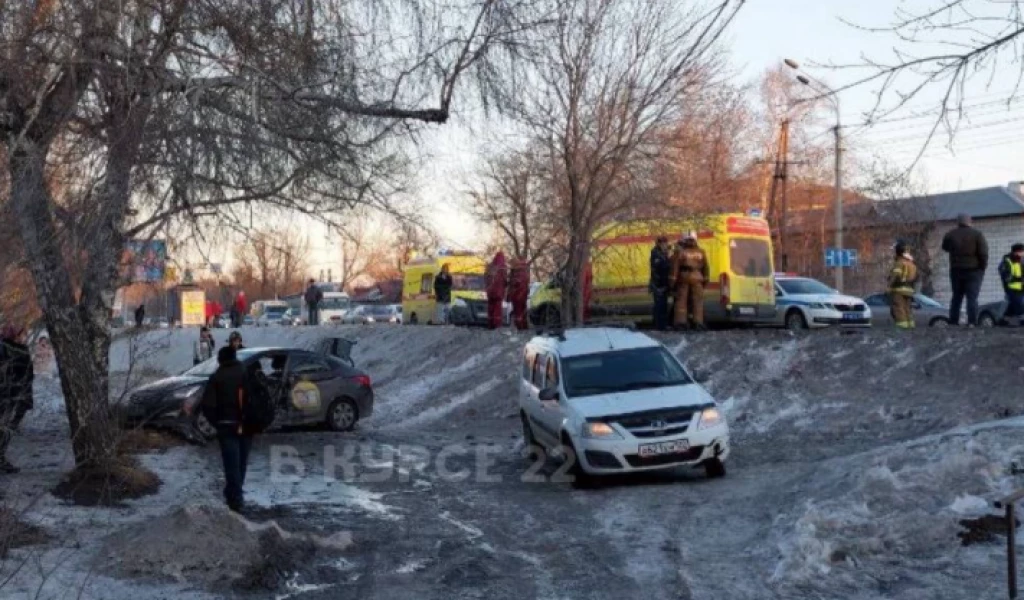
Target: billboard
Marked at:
193, 308
145, 260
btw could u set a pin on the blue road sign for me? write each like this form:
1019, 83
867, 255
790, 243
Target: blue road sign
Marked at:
837, 257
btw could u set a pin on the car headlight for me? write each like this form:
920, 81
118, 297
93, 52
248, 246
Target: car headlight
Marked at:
818, 305
600, 430
710, 417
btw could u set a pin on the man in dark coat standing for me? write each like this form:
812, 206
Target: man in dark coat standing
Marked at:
661, 268
16, 376
443, 294
140, 315
497, 286
314, 296
968, 259
224, 405
519, 291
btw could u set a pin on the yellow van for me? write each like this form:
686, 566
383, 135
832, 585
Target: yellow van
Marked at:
468, 290
739, 251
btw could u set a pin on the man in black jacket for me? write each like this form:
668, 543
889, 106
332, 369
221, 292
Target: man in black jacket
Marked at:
16, 376
443, 294
314, 296
661, 266
224, 405
968, 259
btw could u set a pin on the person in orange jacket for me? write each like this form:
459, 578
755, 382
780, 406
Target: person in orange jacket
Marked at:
688, 276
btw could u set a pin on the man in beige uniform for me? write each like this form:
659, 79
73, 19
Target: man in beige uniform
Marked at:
689, 275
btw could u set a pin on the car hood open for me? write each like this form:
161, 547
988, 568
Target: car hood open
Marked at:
678, 396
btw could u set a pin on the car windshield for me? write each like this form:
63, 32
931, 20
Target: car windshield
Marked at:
209, 367
926, 301
380, 310
466, 282
334, 304
621, 371
275, 311
750, 257
804, 286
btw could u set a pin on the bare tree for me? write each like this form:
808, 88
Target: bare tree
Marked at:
941, 48
171, 109
365, 249
614, 73
272, 262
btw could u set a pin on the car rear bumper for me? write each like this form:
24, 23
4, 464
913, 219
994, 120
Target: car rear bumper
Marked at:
607, 457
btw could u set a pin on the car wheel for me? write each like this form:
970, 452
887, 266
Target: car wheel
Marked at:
550, 317
580, 478
795, 320
714, 468
986, 320
204, 427
342, 415
939, 322
413, 319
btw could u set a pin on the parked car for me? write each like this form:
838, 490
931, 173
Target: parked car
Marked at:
290, 318
989, 315
927, 311
248, 321
373, 313
161, 323
804, 303
309, 388
613, 400
222, 321
272, 315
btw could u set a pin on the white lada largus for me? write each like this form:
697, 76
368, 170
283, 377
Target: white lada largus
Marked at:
614, 400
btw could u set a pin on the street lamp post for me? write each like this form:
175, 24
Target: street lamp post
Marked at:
837, 131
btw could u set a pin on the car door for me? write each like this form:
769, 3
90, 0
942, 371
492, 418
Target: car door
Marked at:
310, 383
551, 413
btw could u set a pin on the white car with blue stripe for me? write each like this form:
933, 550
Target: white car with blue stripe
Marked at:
805, 303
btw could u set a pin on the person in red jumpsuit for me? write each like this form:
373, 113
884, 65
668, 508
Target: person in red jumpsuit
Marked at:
497, 286
519, 291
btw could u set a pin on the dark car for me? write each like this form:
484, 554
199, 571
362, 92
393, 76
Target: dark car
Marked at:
309, 388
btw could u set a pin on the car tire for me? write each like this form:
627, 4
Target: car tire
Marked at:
413, 319
580, 478
795, 320
342, 415
550, 316
986, 320
939, 322
206, 429
714, 468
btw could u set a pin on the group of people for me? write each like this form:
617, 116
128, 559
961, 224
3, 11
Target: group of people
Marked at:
968, 259
681, 272
16, 376
503, 281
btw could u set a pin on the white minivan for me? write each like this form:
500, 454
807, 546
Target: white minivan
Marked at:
613, 400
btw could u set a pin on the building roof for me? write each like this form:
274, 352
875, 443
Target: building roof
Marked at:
996, 201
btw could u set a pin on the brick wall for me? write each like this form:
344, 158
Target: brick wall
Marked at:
1000, 232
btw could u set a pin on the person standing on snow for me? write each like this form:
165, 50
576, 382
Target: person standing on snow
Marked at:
204, 347
16, 376
661, 269
519, 291
496, 278
241, 308
224, 406
140, 315
443, 294
314, 296
688, 275
1013, 284
902, 278
968, 259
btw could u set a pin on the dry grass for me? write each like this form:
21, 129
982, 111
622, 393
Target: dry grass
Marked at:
139, 441
16, 533
108, 484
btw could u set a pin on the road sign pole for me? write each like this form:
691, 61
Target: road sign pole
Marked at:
839, 201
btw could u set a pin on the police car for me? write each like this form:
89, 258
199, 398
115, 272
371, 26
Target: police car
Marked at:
612, 400
805, 303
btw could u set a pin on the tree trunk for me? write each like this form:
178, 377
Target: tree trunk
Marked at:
80, 346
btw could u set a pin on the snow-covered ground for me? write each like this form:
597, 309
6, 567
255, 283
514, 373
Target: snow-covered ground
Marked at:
855, 456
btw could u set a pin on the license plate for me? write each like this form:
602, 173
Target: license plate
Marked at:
747, 310
851, 316
675, 447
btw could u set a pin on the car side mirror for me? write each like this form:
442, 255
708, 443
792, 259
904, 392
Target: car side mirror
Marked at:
548, 394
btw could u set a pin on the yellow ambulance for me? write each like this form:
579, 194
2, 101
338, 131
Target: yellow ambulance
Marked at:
468, 290
739, 252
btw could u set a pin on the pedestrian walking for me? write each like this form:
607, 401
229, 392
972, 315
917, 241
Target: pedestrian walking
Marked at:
224, 406
1013, 284
16, 377
496, 278
140, 315
688, 276
204, 346
314, 296
902, 278
661, 267
443, 294
519, 291
968, 259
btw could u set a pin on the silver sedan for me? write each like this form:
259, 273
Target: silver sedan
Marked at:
927, 311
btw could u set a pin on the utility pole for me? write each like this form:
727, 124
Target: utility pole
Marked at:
839, 200
778, 214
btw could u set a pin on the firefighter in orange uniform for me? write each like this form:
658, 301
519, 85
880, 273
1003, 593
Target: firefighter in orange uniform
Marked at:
688, 276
